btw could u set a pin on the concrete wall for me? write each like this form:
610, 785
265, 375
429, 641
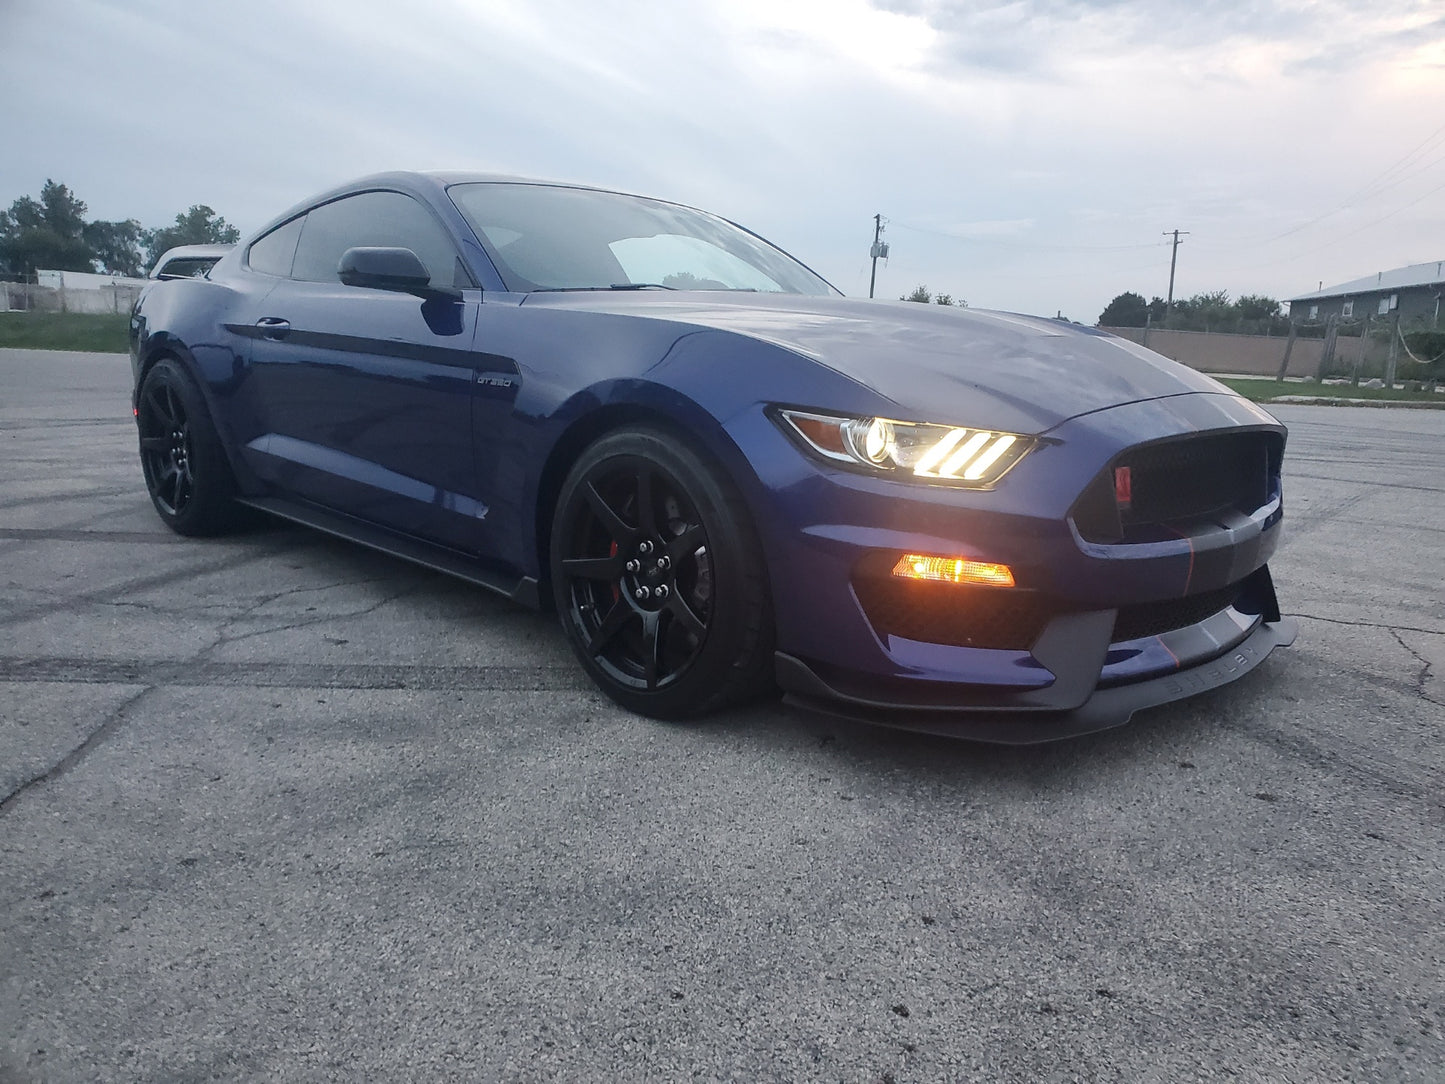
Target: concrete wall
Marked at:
1250, 355
114, 297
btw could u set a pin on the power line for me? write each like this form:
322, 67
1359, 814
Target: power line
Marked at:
1030, 245
1333, 241
1382, 182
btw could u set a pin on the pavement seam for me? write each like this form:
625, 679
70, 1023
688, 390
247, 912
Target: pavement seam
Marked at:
93, 740
281, 675
58, 534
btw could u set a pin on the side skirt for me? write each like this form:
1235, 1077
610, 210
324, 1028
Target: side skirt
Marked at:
437, 558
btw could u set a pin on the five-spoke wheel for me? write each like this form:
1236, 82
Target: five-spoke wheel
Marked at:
658, 579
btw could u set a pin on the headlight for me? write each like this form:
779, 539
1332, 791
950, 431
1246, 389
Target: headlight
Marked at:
927, 453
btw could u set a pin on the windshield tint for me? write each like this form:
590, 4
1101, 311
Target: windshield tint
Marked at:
544, 237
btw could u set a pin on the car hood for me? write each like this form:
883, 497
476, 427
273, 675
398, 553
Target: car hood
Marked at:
937, 363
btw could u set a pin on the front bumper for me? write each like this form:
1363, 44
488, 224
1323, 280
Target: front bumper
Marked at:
1098, 626
1017, 723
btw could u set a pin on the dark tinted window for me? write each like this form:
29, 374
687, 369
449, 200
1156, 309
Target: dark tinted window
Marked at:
273, 253
375, 219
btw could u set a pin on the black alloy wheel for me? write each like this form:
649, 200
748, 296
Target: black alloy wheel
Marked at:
186, 471
658, 579
165, 448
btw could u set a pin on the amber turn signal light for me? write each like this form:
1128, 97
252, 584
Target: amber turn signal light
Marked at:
917, 566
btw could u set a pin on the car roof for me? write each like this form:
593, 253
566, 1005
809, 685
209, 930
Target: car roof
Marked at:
418, 181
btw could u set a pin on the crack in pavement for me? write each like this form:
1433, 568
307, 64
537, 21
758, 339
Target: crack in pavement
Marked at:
223, 636
107, 596
1371, 625
1425, 666
92, 741
201, 670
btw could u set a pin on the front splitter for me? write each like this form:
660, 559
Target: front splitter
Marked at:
1106, 708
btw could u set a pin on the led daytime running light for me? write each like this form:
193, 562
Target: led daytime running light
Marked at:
938, 453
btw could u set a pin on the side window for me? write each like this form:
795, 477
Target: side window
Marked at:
382, 219
272, 254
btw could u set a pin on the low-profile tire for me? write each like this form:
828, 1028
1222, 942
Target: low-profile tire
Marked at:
186, 471
659, 579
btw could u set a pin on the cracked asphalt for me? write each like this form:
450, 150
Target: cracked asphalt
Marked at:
274, 807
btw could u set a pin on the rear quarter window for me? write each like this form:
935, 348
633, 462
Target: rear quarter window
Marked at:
274, 253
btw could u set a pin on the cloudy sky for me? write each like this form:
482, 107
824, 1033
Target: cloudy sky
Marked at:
1026, 156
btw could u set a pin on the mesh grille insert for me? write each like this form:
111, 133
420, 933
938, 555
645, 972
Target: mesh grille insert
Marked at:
1154, 618
955, 615
1179, 482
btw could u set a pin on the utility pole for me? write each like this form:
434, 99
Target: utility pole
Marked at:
1393, 360
879, 250
1173, 258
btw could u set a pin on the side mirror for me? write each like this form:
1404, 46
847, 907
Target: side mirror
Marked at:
384, 269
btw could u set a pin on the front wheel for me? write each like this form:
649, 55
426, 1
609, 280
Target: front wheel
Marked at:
658, 578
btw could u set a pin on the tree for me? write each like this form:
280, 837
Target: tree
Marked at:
943, 299
919, 294
47, 233
1257, 307
197, 226
1126, 310
115, 247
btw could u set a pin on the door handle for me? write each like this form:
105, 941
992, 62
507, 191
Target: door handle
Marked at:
273, 327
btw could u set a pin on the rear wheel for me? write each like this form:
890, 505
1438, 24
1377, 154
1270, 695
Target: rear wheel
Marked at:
658, 578
186, 471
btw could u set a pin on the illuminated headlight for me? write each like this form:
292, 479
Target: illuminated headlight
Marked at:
929, 453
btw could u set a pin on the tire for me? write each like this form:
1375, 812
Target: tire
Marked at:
659, 579
185, 467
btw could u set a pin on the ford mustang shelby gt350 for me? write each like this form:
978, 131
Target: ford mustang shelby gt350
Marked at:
721, 473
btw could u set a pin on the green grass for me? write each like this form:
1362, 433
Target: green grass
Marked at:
104, 332
1262, 391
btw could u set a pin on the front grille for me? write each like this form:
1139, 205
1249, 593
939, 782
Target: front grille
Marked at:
1154, 618
1180, 482
959, 616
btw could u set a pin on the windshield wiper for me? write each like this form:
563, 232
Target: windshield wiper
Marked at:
614, 286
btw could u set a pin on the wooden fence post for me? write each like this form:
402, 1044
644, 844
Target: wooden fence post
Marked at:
1327, 355
1288, 349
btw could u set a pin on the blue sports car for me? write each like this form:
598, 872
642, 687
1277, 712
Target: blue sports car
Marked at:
723, 475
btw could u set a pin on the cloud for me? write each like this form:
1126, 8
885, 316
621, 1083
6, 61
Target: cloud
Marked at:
1059, 40
1040, 148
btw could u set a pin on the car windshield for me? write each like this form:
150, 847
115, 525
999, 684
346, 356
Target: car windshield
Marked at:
547, 237
184, 267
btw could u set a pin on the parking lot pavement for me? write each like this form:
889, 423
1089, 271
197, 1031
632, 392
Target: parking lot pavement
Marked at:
274, 806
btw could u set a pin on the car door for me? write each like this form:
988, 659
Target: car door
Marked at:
366, 394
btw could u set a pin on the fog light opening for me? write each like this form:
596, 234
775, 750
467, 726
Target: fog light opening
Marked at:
918, 566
